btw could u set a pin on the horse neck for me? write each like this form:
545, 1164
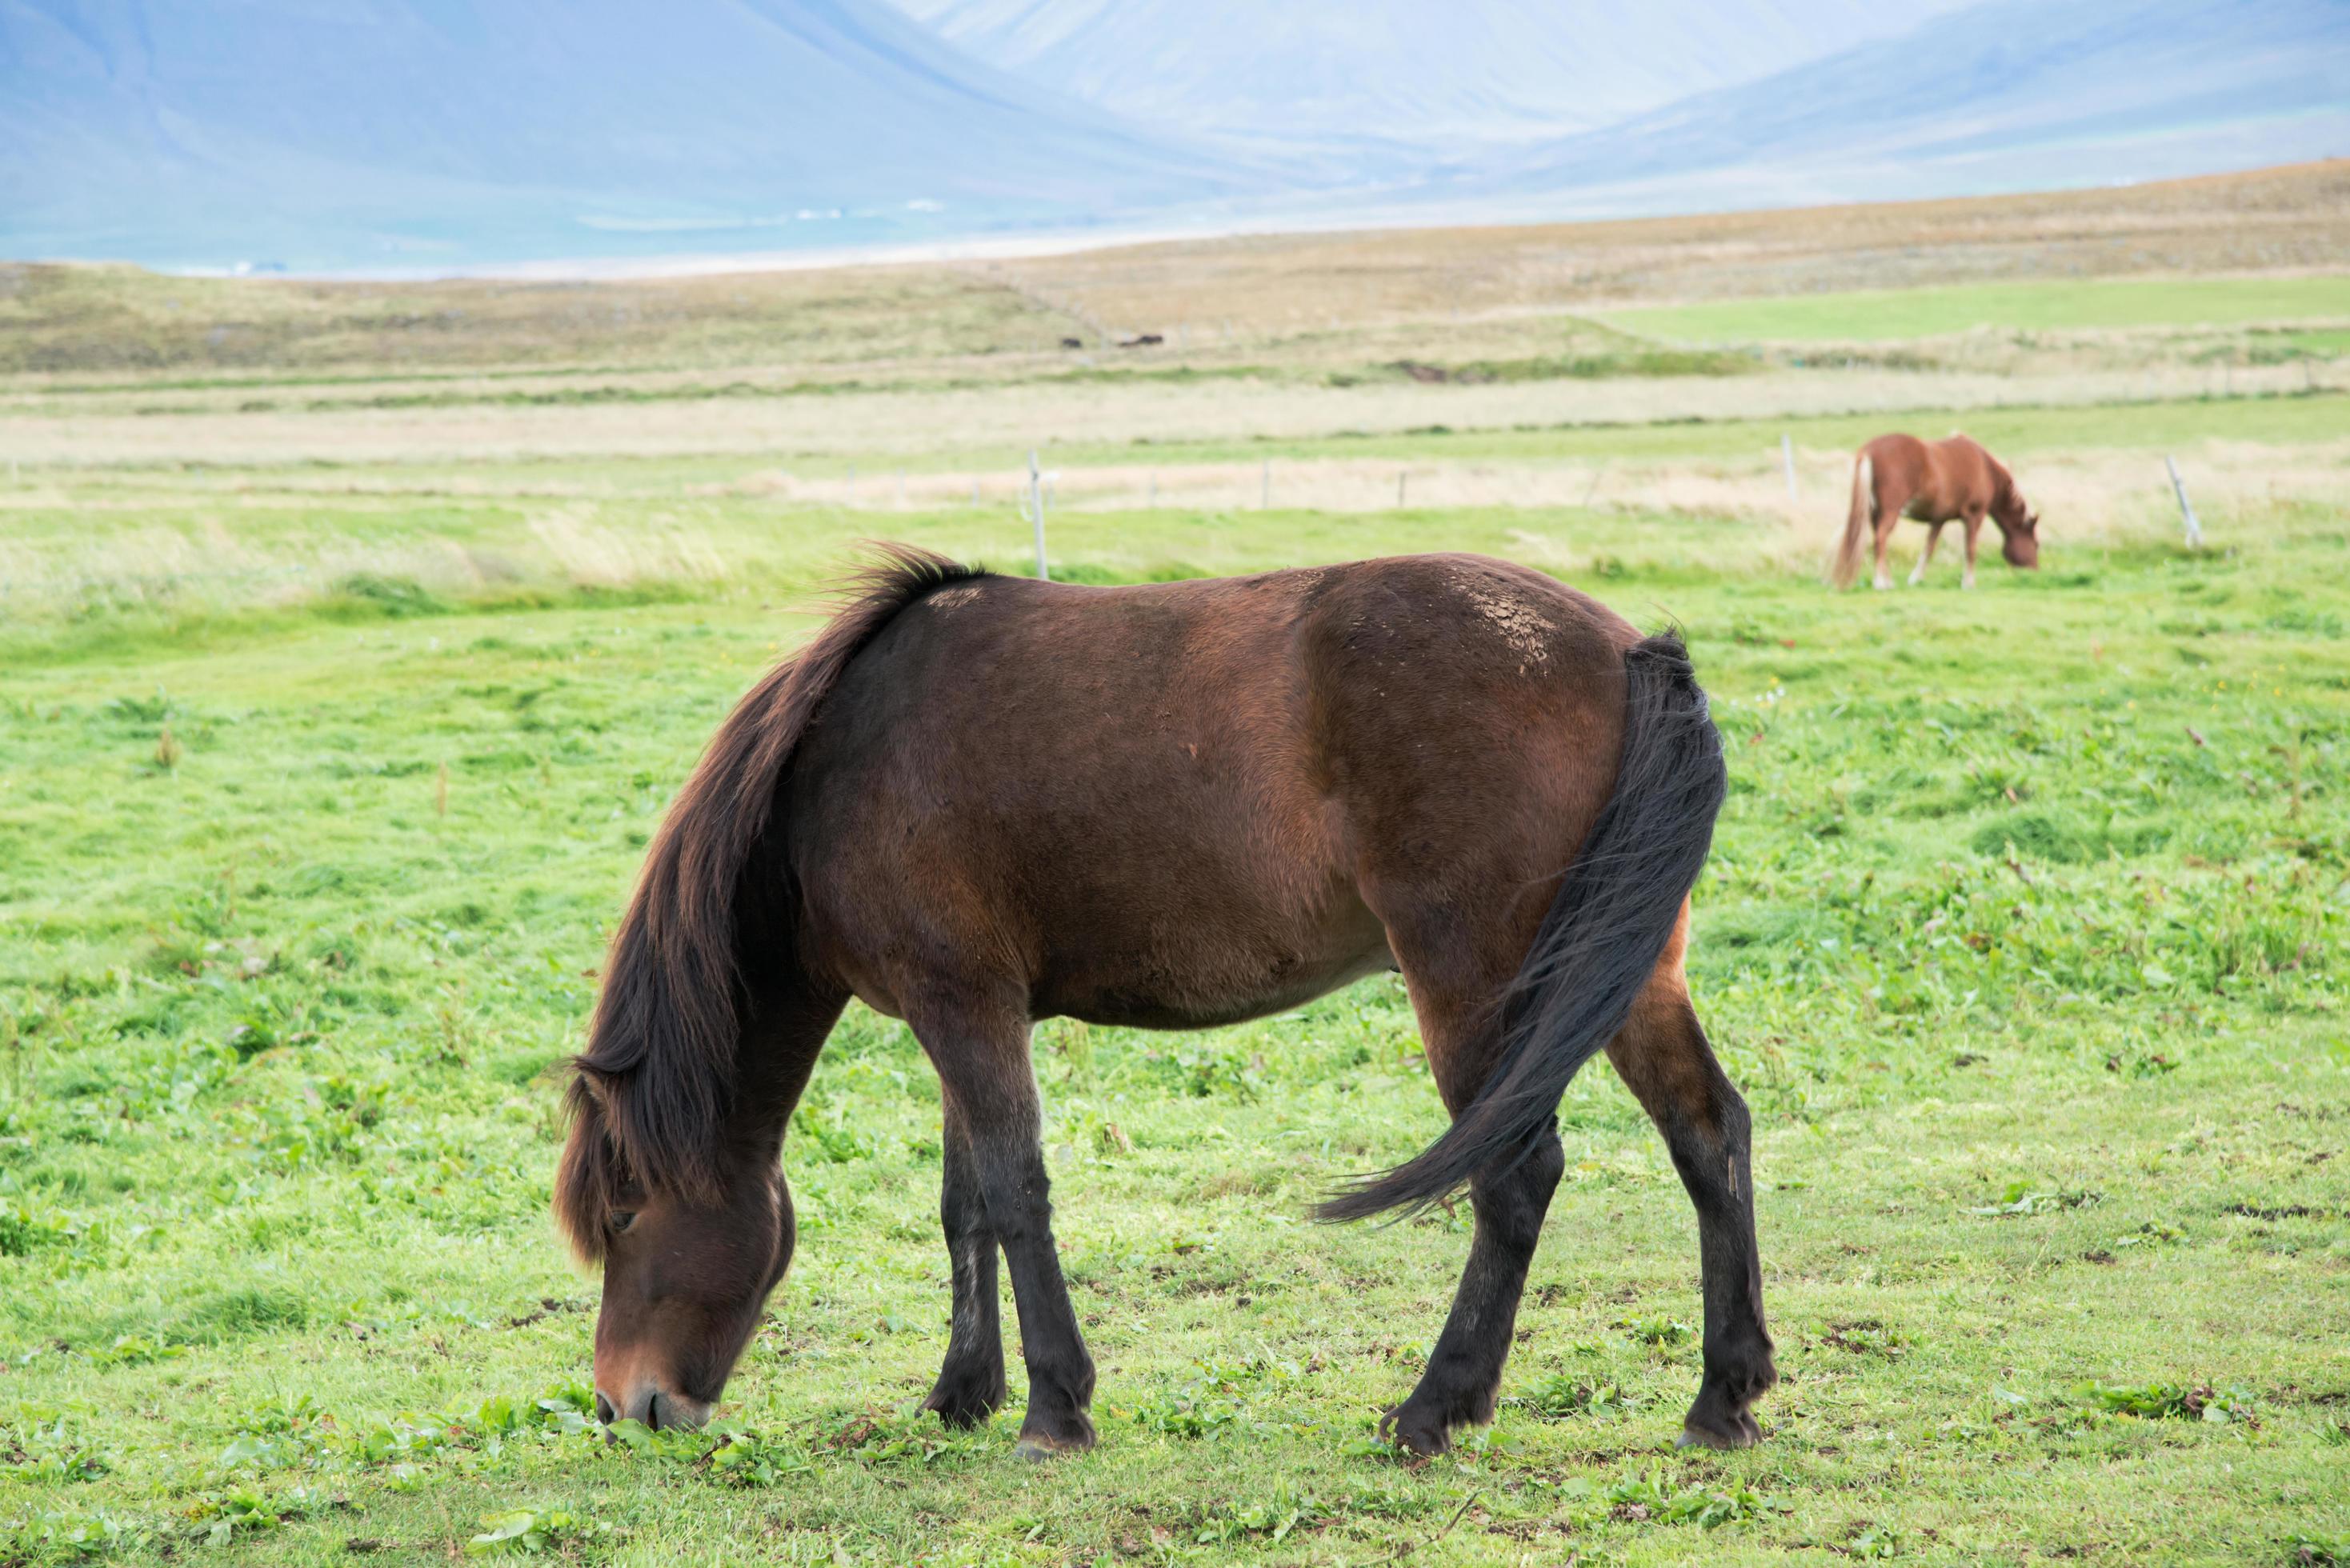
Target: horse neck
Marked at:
786, 1017
2006, 506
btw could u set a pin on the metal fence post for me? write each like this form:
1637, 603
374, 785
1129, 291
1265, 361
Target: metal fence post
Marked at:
2186, 507
1036, 510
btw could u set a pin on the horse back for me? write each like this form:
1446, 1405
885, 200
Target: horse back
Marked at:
1175, 804
1933, 481
1968, 474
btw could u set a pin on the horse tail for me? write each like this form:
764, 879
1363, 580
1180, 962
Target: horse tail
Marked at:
650, 1097
1614, 915
1858, 521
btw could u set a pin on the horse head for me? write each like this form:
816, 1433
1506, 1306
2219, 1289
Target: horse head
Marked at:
687, 1274
2019, 528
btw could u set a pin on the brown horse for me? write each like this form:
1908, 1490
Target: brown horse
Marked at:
976, 800
1940, 482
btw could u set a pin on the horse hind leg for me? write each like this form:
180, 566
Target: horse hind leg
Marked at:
1663, 1057
1926, 556
1888, 519
1463, 1375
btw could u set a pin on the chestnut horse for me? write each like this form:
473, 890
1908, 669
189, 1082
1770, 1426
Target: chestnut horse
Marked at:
1934, 483
975, 801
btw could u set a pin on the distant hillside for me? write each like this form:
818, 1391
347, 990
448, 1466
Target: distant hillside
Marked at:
424, 132
439, 135
1428, 82
2006, 95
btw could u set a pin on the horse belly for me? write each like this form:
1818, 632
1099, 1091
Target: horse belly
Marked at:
1226, 919
1167, 973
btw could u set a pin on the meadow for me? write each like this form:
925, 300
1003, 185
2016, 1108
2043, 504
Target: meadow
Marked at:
1892, 314
324, 775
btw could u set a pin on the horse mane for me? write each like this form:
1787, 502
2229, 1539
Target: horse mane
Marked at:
651, 1095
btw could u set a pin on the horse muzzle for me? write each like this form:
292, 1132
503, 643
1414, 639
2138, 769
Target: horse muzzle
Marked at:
655, 1407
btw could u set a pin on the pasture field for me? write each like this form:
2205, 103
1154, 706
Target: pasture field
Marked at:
331, 738
1893, 314
2023, 936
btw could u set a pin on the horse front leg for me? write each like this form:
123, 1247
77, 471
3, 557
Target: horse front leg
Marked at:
982, 1055
1974, 538
971, 1383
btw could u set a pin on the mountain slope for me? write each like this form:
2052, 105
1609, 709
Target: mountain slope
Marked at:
429, 135
1434, 80
2007, 95
468, 130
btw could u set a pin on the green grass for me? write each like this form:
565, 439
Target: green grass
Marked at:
77, 321
2020, 429
2293, 418
2325, 341
1885, 314
2025, 935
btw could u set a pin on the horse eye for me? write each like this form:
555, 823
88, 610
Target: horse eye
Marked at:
622, 1219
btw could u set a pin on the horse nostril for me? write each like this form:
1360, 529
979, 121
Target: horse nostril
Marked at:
604, 1411
674, 1413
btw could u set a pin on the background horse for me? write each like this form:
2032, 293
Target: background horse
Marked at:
1934, 483
974, 802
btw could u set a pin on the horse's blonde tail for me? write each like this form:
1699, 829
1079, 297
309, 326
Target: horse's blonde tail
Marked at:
1861, 518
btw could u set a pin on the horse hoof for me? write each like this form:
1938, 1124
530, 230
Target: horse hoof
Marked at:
1036, 1450
1037, 1446
1415, 1433
1744, 1433
964, 1405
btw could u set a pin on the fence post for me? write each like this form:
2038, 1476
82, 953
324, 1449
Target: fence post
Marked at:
1036, 510
1399, 479
2186, 507
1787, 458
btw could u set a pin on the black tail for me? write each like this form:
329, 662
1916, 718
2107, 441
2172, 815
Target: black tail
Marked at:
1612, 917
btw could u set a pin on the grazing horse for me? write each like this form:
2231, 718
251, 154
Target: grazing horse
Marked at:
1934, 483
975, 801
